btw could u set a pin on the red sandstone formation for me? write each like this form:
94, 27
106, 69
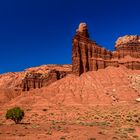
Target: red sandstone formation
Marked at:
87, 55
35, 77
128, 45
43, 76
34, 80
105, 86
13, 83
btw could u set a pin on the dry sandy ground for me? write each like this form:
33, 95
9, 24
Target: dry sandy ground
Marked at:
109, 122
95, 106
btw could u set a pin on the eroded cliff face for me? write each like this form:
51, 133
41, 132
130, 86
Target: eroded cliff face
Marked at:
43, 76
87, 55
32, 78
128, 45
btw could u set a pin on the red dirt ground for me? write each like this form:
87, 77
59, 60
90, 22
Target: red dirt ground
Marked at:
95, 106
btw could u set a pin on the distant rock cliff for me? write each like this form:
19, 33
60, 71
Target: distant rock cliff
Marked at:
87, 55
128, 45
35, 77
43, 76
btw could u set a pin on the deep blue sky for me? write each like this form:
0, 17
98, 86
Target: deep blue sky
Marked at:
36, 32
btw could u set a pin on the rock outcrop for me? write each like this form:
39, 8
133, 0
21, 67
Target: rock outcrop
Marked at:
87, 55
135, 82
128, 45
43, 76
34, 80
35, 77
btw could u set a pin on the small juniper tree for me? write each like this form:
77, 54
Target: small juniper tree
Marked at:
16, 114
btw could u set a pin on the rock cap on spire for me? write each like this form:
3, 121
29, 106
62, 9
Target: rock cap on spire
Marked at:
83, 29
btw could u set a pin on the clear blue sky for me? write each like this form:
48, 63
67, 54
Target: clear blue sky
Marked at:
36, 32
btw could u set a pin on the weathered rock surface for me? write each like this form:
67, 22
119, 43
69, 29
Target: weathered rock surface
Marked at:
59, 83
83, 30
135, 82
35, 77
44, 75
34, 80
87, 55
128, 45
105, 86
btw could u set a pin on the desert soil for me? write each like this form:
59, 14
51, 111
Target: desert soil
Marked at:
108, 122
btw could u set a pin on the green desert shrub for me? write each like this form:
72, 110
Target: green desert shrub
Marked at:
16, 114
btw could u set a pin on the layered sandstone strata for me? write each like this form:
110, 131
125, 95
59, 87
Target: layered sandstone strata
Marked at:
31, 78
87, 55
34, 80
42, 76
128, 45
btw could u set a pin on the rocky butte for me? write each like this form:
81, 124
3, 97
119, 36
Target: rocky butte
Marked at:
87, 55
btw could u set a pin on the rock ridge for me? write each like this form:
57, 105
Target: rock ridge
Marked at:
87, 55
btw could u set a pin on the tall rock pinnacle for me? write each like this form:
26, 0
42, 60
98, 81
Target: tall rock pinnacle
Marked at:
87, 55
